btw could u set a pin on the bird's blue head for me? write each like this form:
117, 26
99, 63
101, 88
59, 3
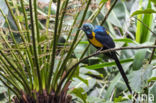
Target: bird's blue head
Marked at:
87, 28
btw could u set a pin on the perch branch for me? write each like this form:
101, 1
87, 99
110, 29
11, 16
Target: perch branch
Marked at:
97, 53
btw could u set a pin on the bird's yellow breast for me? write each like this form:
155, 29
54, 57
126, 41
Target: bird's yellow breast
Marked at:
94, 41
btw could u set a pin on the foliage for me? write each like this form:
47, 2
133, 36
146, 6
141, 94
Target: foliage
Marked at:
39, 47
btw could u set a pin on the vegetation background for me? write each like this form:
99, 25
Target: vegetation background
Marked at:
41, 49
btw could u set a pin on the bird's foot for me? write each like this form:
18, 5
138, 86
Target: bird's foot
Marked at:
99, 50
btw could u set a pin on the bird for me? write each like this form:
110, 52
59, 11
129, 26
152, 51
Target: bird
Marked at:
99, 37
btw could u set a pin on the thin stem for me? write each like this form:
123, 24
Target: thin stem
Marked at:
26, 20
151, 57
6, 70
13, 54
109, 12
48, 17
34, 45
46, 45
36, 21
8, 86
86, 49
145, 26
61, 20
15, 20
63, 52
37, 29
19, 28
74, 41
22, 80
29, 40
28, 37
54, 44
11, 82
12, 14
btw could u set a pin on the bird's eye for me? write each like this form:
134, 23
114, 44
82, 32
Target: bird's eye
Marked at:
87, 27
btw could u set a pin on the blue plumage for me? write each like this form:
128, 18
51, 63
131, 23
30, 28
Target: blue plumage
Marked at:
103, 37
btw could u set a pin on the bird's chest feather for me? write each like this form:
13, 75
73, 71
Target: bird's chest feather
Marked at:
94, 41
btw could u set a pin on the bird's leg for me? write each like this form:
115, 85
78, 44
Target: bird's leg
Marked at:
99, 49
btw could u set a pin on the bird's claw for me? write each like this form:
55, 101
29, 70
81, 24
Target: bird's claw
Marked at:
99, 50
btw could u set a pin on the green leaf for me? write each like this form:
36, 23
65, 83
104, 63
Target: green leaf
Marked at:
79, 92
147, 19
154, 1
110, 89
126, 40
139, 25
138, 60
98, 66
103, 1
20, 18
142, 33
153, 93
138, 29
43, 38
84, 42
152, 79
119, 99
92, 99
114, 82
138, 79
112, 18
83, 80
146, 11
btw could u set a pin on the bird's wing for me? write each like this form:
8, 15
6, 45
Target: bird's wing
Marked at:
102, 36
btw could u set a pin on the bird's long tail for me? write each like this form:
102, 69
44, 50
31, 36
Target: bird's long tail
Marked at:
121, 71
